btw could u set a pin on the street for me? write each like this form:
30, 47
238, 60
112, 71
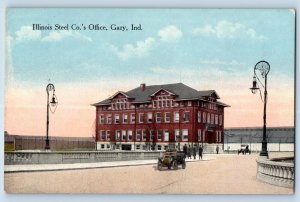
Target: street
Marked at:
227, 174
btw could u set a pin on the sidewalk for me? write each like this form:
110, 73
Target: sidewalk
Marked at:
57, 167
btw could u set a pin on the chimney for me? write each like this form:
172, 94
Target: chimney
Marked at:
143, 86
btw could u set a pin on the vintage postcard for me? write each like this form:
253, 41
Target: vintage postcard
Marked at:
149, 101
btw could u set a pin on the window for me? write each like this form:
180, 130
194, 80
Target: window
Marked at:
144, 135
102, 134
217, 136
199, 117
158, 117
154, 104
101, 119
117, 118
118, 135
177, 135
220, 122
108, 146
204, 117
149, 117
185, 135
212, 121
167, 117
107, 135
144, 147
166, 136
125, 118
129, 135
203, 135
151, 135
108, 119
186, 116
216, 119
138, 146
176, 117
158, 147
199, 135
141, 118
123, 134
166, 147
102, 146
208, 118
220, 136
138, 135
159, 135
132, 118
189, 103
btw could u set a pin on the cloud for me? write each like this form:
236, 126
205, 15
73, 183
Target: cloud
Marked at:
170, 33
225, 29
26, 33
141, 49
217, 61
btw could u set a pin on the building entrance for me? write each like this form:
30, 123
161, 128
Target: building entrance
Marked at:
210, 137
126, 147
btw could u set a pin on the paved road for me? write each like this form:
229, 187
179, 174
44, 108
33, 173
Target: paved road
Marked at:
227, 174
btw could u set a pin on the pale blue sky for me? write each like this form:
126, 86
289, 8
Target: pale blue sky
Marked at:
174, 41
206, 49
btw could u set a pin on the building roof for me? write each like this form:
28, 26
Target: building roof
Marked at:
180, 90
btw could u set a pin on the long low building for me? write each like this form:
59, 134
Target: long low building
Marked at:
278, 138
27, 142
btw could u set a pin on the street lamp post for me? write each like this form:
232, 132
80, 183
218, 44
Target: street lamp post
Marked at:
263, 67
53, 103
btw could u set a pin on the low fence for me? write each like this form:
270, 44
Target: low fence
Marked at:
256, 147
277, 171
13, 158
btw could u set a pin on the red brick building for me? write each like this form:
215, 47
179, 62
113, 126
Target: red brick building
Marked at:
158, 117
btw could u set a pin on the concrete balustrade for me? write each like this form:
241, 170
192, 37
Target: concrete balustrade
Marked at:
26, 157
279, 171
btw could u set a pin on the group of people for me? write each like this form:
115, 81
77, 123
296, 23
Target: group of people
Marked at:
192, 151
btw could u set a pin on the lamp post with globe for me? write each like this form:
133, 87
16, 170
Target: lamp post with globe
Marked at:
263, 68
52, 107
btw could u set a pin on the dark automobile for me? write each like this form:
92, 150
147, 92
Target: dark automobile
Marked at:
244, 150
171, 159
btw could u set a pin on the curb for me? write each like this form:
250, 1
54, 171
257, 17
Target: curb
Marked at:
81, 168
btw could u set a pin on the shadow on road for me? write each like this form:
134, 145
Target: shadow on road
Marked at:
165, 169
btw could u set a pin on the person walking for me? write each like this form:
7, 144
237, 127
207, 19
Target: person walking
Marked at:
189, 152
185, 150
217, 149
194, 152
200, 152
